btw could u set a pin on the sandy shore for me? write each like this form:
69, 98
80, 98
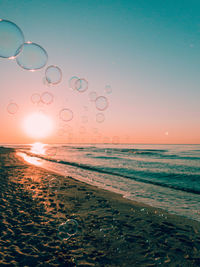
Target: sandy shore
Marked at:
112, 231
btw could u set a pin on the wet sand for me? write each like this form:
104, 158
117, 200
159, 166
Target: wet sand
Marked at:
112, 231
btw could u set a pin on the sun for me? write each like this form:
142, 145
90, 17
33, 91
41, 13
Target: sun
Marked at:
38, 125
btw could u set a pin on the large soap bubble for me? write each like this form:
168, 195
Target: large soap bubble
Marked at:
81, 85
67, 229
101, 103
66, 114
11, 39
47, 98
32, 57
53, 74
12, 108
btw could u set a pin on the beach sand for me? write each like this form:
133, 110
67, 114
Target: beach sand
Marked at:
112, 231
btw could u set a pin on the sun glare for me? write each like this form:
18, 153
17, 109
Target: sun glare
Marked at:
38, 125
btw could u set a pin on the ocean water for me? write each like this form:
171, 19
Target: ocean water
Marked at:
163, 176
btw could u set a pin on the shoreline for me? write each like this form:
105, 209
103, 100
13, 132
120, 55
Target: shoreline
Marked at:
112, 230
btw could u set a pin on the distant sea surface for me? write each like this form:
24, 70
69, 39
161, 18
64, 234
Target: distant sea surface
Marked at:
163, 176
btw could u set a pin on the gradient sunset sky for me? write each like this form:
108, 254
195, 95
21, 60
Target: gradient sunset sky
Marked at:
147, 51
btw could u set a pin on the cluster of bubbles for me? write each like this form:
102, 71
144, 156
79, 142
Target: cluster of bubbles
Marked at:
78, 84
45, 98
28, 55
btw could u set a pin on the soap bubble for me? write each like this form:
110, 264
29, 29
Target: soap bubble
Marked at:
66, 114
53, 74
67, 229
101, 103
92, 96
81, 85
72, 82
11, 39
35, 98
100, 117
54, 184
12, 108
47, 98
32, 57
108, 89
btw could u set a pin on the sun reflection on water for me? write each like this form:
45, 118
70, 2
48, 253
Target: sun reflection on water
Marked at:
29, 159
38, 148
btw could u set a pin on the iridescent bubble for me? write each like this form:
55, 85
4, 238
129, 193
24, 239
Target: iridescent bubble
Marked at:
12, 108
47, 98
32, 57
11, 39
108, 89
100, 117
101, 103
81, 85
53, 74
66, 114
54, 184
72, 82
35, 98
67, 229
92, 96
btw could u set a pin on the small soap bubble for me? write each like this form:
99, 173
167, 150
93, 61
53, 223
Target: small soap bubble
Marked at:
81, 85
54, 184
92, 96
12, 108
66, 114
67, 229
72, 82
100, 117
47, 98
101, 103
32, 57
11, 39
108, 89
35, 98
53, 75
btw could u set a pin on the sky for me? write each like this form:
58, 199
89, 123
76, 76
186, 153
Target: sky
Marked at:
146, 51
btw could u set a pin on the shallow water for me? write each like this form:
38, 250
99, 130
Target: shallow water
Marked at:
164, 176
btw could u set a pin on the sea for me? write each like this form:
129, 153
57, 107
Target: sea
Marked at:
162, 176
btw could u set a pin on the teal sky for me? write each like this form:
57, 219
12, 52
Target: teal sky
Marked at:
148, 51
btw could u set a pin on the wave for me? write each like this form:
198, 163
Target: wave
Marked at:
149, 175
